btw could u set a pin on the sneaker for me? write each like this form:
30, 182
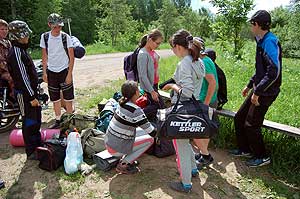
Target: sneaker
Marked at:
239, 153
126, 168
204, 162
258, 162
178, 186
136, 163
198, 156
195, 173
2, 184
56, 125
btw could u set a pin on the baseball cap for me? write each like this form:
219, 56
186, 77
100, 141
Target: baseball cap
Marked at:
55, 19
262, 17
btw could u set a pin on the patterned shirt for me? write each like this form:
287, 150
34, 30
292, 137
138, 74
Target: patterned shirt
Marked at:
121, 131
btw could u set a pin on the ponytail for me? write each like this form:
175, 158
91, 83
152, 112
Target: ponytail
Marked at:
143, 41
123, 100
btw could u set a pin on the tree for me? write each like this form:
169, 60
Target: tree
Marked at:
182, 4
169, 19
196, 23
41, 10
231, 17
83, 18
117, 22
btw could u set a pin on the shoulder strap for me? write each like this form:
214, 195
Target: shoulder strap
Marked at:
64, 41
46, 38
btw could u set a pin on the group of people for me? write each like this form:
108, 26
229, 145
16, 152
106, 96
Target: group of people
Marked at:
18, 73
195, 75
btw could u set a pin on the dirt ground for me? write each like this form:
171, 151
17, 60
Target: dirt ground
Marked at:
227, 177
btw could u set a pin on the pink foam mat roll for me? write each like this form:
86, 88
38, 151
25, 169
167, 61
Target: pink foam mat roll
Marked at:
16, 137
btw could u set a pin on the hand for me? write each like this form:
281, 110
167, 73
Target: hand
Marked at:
35, 103
154, 96
167, 87
254, 99
45, 78
245, 91
69, 78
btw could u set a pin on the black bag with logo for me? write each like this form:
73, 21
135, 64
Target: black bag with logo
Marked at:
186, 120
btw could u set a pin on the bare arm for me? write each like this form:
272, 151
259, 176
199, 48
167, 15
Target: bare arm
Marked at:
44, 63
211, 88
69, 77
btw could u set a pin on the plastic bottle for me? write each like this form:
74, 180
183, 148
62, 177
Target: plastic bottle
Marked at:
74, 153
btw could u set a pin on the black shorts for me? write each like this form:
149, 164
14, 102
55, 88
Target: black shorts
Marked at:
56, 83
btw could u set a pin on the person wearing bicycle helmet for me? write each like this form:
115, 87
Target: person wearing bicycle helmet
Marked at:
264, 87
23, 72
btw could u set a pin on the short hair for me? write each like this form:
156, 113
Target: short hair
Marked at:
262, 18
3, 23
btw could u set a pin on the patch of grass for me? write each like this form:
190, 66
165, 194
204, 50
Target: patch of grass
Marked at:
96, 95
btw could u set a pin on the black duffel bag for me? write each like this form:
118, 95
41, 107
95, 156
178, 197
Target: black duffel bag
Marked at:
186, 120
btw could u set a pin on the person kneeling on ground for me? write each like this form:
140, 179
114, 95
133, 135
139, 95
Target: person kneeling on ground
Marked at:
122, 139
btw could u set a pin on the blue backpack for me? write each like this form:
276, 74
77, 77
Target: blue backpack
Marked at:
130, 66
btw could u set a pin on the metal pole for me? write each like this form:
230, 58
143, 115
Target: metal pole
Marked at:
69, 26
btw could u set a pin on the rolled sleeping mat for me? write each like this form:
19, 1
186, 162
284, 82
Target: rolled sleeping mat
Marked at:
16, 136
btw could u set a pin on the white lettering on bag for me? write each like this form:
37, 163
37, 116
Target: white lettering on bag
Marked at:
188, 126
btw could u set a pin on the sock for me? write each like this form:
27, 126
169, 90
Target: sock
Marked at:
187, 186
57, 118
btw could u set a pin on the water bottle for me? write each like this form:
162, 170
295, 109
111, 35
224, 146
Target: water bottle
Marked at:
74, 153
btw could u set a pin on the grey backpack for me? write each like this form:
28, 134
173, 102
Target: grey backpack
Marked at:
92, 141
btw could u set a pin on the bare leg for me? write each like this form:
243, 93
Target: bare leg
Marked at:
202, 145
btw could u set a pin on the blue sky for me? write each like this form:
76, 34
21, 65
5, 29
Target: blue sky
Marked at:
259, 4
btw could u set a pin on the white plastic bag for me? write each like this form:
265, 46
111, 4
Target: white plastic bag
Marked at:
74, 153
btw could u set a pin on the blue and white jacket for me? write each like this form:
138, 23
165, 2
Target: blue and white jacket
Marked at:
267, 78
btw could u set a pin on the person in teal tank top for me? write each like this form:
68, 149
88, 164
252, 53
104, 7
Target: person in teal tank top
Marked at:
205, 95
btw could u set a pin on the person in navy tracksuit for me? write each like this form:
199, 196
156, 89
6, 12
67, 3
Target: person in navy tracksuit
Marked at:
265, 85
23, 72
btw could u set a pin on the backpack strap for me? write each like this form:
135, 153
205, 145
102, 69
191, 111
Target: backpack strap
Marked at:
64, 41
46, 38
